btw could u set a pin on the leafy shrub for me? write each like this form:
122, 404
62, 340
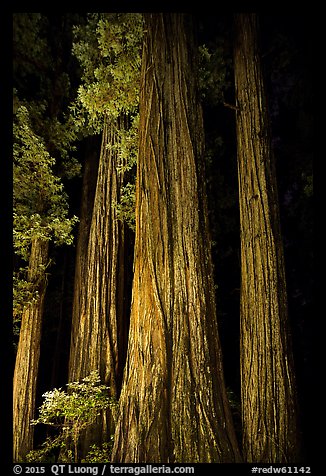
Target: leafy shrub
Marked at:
100, 454
70, 412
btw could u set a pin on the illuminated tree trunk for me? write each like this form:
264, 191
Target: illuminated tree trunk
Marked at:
90, 174
28, 354
270, 432
173, 404
99, 309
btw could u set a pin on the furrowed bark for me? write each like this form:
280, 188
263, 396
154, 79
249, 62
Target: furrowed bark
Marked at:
90, 174
95, 336
173, 404
28, 355
269, 408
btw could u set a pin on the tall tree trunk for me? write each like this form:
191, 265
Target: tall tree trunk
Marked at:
94, 342
90, 173
28, 353
173, 404
60, 326
269, 409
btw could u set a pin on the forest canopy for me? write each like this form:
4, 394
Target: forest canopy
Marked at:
162, 231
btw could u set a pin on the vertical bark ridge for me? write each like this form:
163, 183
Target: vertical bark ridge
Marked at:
267, 374
173, 405
95, 336
28, 354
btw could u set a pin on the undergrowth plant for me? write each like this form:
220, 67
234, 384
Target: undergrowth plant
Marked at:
70, 412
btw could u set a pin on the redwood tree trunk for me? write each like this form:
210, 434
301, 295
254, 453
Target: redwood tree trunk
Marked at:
28, 354
173, 404
269, 416
95, 330
90, 173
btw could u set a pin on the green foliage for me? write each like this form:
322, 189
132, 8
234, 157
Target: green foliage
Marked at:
127, 145
71, 412
42, 83
44, 135
48, 451
125, 209
32, 166
108, 48
100, 454
214, 72
24, 293
40, 204
31, 59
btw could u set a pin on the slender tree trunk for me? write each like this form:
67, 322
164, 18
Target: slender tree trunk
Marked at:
28, 353
173, 404
270, 432
90, 174
59, 331
94, 343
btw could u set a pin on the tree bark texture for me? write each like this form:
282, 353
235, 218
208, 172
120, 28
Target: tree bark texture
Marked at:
28, 355
268, 393
90, 173
99, 311
173, 404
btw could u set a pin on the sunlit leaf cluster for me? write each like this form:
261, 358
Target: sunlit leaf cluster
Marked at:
81, 402
108, 48
40, 203
127, 145
71, 412
125, 209
100, 454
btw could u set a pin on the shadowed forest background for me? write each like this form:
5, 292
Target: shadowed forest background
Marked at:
77, 79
